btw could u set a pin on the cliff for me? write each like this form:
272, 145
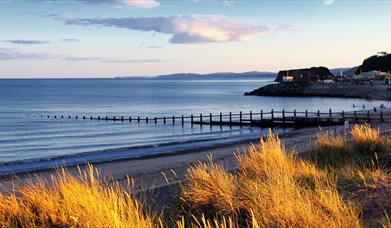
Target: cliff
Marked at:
306, 74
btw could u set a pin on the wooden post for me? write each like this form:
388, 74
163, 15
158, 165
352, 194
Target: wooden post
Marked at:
164, 119
62, 117
69, 117
306, 116
76, 117
138, 119
90, 117
221, 118
318, 116
283, 117
173, 119
84, 117
272, 113
330, 116
240, 117
381, 116
192, 119
155, 120
201, 118
251, 116
355, 116
106, 118
183, 120
294, 116
210, 118
55, 117
368, 117
130, 119
146, 119
261, 115
114, 118
122, 118
230, 118
98, 117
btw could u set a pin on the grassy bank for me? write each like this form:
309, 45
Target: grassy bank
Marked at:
343, 181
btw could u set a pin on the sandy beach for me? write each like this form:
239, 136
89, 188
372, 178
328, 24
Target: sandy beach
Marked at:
159, 171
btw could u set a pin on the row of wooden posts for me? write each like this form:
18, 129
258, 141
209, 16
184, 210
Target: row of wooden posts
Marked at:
273, 115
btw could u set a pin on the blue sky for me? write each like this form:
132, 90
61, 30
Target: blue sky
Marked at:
107, 38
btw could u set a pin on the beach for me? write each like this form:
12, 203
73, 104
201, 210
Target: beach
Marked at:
169, 168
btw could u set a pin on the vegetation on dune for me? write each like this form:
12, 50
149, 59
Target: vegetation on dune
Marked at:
274, 188
71, 201
343, 181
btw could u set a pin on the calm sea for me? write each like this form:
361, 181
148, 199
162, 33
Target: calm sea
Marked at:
28, 141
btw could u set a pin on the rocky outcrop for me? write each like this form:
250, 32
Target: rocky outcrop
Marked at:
306, 75
291, 89
380, 62
280, 89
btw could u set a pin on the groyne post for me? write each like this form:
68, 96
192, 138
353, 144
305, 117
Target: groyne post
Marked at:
272, 115
146, 119
130, 119
330, 116
240, 117
283, 117
138, 119
230, 118
173, 119
122, 118
318, 115
221, 118
210, 117
155, 120
164, 119
294, 115
183, 120
306, 116
251, 116
261, 115
192, 119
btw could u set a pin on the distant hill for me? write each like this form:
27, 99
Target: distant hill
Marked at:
347, 71
379, 62
222, 75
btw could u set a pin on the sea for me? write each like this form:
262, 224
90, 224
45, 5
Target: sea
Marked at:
31, 141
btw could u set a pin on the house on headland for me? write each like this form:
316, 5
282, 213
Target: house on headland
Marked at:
313, 74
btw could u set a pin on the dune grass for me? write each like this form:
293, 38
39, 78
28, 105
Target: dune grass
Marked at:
71, 201
341, 182
273, 187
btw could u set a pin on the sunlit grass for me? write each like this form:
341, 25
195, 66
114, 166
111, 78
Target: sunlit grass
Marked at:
276, 189
71, 201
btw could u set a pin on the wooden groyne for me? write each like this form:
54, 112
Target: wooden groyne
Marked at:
272, 118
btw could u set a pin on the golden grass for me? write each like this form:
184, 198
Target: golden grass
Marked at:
275, 188
71, 201
366, 139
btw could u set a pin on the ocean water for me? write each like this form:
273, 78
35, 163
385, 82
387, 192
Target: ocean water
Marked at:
28, 141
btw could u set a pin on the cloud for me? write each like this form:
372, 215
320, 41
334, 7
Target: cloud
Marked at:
131, 3
69, 40
27, 42
328, 2
14, 54
153, 46
184, 29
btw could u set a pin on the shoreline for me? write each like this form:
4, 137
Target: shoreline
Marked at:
168, 168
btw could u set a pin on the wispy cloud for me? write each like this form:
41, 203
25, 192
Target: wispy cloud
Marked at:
27, 42
184, 29
69, 40
14, 54
328, 2
130, 3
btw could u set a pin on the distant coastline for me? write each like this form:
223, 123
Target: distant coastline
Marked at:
219, 75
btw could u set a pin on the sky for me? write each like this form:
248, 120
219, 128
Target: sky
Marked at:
109, 38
